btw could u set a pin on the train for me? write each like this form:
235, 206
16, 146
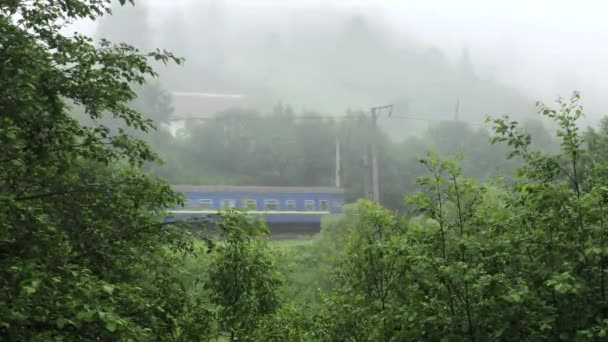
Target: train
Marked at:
282, 208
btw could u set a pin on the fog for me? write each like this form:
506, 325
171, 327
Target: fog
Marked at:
423, 56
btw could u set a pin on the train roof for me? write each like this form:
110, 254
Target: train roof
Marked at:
257, 189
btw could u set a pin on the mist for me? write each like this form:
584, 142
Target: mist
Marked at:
426, 58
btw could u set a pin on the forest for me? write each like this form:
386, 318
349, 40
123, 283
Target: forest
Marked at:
493, 232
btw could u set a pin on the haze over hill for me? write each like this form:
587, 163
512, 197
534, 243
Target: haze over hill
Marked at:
357, 54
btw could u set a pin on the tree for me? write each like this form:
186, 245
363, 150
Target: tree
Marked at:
493, 261
372, 269
597, 142
243, 280
84, 252
560, 203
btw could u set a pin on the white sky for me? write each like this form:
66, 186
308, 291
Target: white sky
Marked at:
535, 44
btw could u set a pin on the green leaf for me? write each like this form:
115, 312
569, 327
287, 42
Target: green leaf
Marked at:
111, 326
109, 289
29, 290
60, 322
85, 315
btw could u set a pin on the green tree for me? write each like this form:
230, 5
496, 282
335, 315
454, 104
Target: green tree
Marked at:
560, 202
596, 140
243, 277
498, 261
371, 267
84, 252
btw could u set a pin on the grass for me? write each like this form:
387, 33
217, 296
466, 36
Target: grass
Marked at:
287, 244
300, 262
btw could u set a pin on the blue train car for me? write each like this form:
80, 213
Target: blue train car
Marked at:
283, 206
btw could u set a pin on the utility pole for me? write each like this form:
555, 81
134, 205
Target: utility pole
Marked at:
366, 166
374, 150
338, 163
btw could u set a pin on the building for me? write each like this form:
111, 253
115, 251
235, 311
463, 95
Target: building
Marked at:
192, 107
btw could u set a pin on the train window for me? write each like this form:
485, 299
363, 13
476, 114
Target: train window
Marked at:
309, 205
205, 204
290, 204
323, 205
251, 204
228, 203
271, 204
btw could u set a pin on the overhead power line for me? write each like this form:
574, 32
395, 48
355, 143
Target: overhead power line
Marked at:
320, 117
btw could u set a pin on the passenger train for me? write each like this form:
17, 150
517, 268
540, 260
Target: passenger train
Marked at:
280, 207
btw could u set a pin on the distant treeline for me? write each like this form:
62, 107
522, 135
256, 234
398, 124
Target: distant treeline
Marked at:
282, 148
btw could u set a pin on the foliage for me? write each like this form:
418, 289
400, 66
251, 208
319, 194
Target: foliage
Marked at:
292, 322
515, 262
307, 265
83, 250
243, 279
561, 205
597, 141
370, 272
243, 147
301, 264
